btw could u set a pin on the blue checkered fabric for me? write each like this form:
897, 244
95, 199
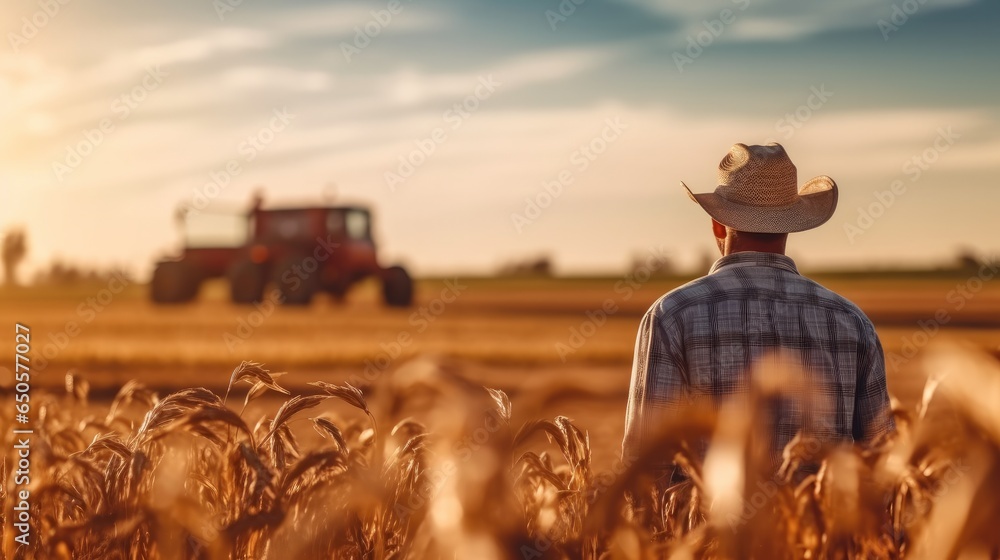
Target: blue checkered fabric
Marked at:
699, 342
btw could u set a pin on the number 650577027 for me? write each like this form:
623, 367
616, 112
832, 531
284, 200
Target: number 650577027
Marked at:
22, 369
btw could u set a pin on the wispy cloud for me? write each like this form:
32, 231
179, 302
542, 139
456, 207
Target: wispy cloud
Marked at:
780, 20
276, 77
342, 19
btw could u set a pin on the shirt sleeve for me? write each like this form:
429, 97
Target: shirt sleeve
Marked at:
658, 384
872, 411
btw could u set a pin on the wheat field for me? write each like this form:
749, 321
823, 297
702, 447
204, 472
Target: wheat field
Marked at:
435, 468
476, 439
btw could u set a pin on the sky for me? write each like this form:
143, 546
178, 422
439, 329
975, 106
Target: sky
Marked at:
483, 132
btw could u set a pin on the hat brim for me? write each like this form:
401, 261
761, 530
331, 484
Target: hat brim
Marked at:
815, 204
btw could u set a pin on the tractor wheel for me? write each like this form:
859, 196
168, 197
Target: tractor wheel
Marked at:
338, 293
246, 282
397, 287
295, 290
174, 282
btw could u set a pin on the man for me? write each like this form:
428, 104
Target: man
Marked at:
700, 341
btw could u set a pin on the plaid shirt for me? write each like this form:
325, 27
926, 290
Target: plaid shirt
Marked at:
701, 339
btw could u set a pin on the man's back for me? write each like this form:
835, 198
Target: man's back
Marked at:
700, 340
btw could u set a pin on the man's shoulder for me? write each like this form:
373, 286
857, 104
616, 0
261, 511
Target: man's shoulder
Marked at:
831, 299
696, 292
718, 288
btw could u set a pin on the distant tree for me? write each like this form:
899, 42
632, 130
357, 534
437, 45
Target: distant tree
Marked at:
967, 259
540, 266
658, 265
15, 247
60, 273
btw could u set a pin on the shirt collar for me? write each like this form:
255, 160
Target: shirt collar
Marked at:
754, 258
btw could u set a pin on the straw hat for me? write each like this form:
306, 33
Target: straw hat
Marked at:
758, 192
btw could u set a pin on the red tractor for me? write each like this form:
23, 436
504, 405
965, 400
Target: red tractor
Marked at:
300, 251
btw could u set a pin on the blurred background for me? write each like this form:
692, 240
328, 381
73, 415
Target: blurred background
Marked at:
529, 152
184, 85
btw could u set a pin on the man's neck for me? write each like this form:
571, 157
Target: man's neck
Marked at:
755, 247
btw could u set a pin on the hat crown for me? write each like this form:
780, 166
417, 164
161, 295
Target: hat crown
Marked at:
758, 176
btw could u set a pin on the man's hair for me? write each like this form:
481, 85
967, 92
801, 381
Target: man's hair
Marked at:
762, 238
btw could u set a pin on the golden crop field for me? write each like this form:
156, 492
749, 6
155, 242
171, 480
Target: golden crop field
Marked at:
506, 332
155, 447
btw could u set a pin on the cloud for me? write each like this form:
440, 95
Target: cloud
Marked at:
276, 77
781, 20
211, 45
341, 20
409, 86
